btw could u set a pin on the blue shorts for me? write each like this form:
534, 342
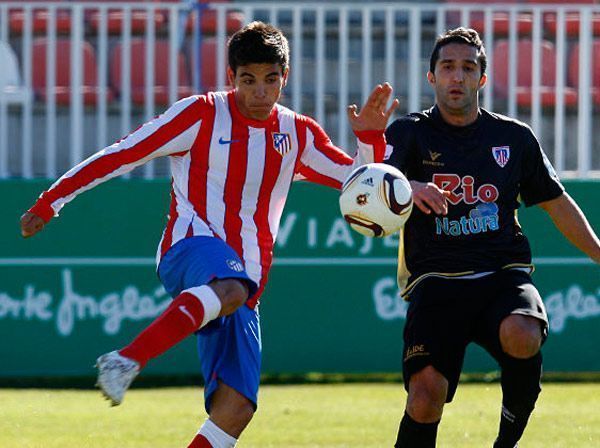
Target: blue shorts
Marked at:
229, 347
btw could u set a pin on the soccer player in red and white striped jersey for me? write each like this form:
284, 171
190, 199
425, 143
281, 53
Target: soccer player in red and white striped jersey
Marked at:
234, 156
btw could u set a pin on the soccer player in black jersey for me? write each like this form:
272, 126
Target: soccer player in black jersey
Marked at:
464, 262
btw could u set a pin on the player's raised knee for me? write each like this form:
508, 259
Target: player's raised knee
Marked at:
427, 394
233, 294
521, 336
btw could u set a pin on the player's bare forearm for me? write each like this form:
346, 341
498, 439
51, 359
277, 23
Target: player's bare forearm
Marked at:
570, 220
31, 224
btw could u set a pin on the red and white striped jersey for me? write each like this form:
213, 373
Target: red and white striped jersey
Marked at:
230, 174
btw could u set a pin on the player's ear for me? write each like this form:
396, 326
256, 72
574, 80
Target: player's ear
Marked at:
431, 78
483, 81
231, 76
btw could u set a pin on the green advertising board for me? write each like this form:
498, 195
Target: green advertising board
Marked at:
87, 285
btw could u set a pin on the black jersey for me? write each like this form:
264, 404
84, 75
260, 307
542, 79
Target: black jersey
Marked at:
489, 167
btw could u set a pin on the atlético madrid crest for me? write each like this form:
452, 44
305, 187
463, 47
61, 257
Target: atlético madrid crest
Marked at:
501, 154
282, 142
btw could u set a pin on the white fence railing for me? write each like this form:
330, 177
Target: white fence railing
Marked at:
75, 76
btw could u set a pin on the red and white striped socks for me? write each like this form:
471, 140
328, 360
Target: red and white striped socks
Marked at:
189, 311
211, 436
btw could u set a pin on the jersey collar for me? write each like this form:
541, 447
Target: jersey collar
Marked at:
240, 118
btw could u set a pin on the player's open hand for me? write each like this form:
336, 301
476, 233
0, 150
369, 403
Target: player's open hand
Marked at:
31, 224
429, 197
373, 115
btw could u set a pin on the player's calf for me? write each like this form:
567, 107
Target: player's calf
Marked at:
230, 413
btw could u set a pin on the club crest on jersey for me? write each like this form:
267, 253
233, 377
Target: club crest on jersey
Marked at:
501, 155
282, 143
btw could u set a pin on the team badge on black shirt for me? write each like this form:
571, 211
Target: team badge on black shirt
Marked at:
501, 154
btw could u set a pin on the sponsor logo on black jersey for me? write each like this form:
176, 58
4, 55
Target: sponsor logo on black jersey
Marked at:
482, 218
462, 189
433, 156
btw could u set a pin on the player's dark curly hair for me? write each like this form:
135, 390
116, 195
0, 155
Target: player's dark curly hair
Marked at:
459, 36
258, 43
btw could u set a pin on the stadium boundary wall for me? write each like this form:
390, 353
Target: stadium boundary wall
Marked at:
87, 284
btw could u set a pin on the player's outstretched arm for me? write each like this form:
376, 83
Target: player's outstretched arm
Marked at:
31, 224
374, 114
570, 220
173, 132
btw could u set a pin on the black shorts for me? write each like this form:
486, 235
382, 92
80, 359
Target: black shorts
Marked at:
445, 315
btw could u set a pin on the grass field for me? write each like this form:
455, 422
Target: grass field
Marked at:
341, 415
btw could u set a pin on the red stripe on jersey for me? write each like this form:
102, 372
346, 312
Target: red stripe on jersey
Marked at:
376, 138
261, 217
324, 145
301, 135
310, 174
197, 182
107, 164
168, 236
318, 178
190, 231
234, 183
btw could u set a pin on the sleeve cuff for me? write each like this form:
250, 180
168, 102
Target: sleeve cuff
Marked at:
371, 136
42, 209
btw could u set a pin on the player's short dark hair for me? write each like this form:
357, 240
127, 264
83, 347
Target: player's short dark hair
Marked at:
459, 36
258, 43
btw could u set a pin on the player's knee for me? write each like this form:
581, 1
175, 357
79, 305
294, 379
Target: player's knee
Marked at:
520, 336
233, 294
427, 393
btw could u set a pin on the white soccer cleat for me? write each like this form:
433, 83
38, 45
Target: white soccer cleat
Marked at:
115, 375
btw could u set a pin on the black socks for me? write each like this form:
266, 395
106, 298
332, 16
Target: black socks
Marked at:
520, 389
413, 434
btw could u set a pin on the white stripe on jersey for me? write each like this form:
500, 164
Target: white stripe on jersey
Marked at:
254, 174
184, 207
217, 167
316, 160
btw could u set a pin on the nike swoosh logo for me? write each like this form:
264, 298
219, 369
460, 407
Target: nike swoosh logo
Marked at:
188, 314
226, 142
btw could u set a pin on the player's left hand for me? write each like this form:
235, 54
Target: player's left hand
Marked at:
373, 115
31, 224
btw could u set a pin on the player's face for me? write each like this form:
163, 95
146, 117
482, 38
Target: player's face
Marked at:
257, 88
457, 79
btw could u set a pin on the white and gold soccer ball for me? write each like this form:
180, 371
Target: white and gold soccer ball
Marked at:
376, 200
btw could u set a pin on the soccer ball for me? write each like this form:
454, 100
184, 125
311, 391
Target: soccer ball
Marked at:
376, 200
